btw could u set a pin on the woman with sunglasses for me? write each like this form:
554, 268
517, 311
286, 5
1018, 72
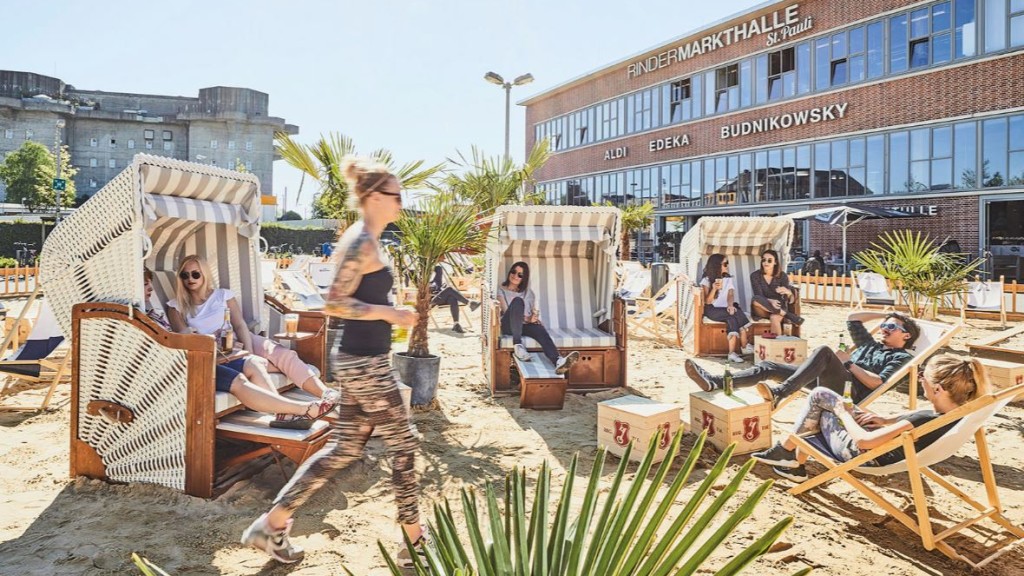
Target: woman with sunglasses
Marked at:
520, 316
361, 294
200, 309
948, 382
720, 306
773, 295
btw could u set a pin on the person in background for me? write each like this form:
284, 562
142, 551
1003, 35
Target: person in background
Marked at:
948, 382
773, 294
720, 306
520, 316
815, 264
361, 294
449, 296
327, 249
868, 367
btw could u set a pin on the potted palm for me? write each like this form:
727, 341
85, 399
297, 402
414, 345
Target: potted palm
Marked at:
916, 266
441, 224
635, 217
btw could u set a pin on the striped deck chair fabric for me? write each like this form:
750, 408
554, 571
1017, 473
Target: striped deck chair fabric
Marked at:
31, 361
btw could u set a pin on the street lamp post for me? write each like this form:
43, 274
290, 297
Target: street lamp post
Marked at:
56, 151
498, 80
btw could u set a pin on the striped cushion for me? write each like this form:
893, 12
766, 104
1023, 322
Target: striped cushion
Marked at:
538, 367
569, 338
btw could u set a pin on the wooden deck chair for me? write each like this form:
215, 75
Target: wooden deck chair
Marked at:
658, 314
967, 420
635, 284
934, 335
300, 263
871, 288
984, 296
299, 291
32, 362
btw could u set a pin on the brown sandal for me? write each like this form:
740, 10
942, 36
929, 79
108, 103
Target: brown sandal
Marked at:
319, 408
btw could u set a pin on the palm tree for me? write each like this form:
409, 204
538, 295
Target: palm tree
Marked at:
321, 161
489, 182
630, 533
442, 223
634, 217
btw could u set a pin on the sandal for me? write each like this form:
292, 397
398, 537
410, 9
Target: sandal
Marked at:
320, 408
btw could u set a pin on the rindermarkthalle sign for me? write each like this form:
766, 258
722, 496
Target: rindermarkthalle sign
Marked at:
779, 26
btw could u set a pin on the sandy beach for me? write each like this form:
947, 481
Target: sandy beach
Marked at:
54, 524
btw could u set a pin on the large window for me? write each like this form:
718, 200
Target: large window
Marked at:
680, 99
727, 89
782, 74
993, 163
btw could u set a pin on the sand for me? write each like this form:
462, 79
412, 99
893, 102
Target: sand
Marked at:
53, 524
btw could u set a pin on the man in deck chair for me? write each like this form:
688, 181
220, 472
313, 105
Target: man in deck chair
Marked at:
868, 367
30, 362
845, 430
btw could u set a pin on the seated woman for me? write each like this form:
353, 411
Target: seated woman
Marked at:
520, 317
449, 296
773, 295
949, 382
720, 306
200, 309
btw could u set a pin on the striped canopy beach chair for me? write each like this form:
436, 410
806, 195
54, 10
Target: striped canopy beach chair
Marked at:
143, 404
571, 252
742, 239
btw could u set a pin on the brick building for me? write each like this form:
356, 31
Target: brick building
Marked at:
222, 126
789, 106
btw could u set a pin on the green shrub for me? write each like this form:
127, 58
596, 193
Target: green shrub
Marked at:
6, 262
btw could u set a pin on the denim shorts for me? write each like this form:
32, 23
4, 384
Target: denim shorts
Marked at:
226, 374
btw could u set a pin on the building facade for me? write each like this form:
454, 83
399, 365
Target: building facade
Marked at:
223, 126
917, 106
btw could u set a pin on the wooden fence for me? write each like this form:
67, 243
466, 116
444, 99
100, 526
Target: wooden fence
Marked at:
18, 281
842, 290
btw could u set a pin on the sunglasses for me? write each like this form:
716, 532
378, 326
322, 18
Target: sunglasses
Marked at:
767, 261
516, 274
892, 327
395, 195
196, 275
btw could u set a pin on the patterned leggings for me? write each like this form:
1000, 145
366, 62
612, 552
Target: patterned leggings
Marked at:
370, 399
819, 416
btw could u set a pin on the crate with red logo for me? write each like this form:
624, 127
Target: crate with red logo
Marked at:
781, 349
635, 419
743, 418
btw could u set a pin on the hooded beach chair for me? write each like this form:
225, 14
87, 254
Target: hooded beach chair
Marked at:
32, 361
741, 239
144, 407
967, 420
571, 251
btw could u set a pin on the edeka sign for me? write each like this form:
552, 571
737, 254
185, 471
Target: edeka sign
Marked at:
780, 26
668, 143
812, 116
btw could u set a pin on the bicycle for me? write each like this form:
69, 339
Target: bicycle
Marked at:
26, 255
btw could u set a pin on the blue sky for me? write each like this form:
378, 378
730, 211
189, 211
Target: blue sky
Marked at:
404, 75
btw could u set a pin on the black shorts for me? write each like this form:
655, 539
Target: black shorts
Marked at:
226, 374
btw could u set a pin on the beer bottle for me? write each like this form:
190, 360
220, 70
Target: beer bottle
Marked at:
848, 394
842, 343
727, 382
227, 335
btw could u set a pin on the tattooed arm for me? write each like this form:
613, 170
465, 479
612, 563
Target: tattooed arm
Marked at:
358, 254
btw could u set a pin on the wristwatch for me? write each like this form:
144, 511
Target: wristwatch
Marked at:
847, 364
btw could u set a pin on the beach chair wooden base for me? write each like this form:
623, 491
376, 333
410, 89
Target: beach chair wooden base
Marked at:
917, 467
540, 388
253, 428
710, 338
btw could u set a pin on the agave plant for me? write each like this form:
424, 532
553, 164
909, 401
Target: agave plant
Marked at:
915, 264
321, 161
624, 535
634, 217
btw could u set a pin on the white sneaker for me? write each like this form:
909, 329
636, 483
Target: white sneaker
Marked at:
748, 349
565, 362
521, 354
734, 357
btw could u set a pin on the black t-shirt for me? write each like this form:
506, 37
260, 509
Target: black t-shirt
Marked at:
919, 418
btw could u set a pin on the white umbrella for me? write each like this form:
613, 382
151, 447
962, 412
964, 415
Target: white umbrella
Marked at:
845, 215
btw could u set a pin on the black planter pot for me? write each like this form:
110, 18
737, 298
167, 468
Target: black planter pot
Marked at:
420, 374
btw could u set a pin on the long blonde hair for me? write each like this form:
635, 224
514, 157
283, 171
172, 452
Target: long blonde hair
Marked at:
963, 378
186, 303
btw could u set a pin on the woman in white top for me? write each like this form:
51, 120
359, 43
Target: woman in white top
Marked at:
520, 317
720, 305
199, 309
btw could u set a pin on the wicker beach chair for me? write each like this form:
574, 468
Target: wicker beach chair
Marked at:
742, 239
968, 420
143, 403
572, 254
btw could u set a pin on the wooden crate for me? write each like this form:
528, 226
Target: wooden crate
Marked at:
635, 419
782, 349
744, 418
1003, 374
